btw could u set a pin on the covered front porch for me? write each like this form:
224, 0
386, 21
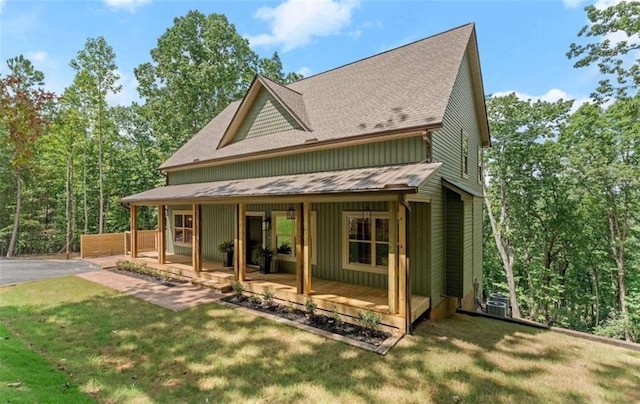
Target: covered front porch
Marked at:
347, 233
346, 299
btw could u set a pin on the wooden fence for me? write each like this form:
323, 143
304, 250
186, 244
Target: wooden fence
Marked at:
147, 241
102, 245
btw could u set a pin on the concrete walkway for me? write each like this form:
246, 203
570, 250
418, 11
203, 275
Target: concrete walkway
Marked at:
174, 298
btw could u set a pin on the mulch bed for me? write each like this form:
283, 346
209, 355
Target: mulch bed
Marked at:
319, 321
164, 281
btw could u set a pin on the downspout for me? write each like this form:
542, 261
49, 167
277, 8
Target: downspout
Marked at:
407, 299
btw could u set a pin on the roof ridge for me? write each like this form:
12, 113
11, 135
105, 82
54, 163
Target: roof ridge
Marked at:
384, 52
279, 84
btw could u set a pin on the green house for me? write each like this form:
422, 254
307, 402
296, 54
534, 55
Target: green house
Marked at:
365, 181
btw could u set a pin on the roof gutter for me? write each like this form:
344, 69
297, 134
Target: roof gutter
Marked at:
310, 146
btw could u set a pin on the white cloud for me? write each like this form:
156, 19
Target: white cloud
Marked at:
295, 23
572, 3
599, 4
127, 5
552, 95
37, 56
127, 94
602, 4
305, 71
2, 2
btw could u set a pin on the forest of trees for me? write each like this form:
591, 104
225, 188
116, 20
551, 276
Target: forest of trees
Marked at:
562, 228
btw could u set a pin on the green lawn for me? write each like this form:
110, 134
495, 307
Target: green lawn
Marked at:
119, 349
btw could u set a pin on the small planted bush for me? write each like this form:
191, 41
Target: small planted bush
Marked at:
237, 288
310, 308
369, 320
267, 298
255, 299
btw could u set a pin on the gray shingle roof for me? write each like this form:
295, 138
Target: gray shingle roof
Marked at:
407, 87
393, 178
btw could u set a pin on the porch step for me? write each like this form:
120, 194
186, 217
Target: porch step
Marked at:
222, 287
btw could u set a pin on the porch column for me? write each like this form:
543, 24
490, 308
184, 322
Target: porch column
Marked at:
307, 248
134, 231
241, 247
299, 249
236, 243
402, 260
196, 256
393, 268
162, 237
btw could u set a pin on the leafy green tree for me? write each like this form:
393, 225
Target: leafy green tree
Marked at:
23, 104
604, 157
97, 77
611, 57
198, 67
521, 165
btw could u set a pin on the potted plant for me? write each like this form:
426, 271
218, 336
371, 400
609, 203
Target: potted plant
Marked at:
285, 248
262, 256
226, 248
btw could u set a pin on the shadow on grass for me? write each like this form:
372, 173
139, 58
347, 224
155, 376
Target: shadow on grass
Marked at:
119, 348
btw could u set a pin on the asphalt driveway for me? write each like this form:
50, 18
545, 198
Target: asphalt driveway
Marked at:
14, 271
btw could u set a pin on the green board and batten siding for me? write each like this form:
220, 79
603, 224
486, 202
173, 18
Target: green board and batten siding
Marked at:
400, 151
265, 117
459, 116
426, 221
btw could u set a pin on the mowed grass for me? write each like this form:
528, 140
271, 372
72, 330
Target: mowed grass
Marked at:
117, 348
25, 377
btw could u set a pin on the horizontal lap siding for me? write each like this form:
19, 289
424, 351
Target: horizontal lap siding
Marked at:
447, 148
401, 151
267, 116
467, 260
454, 261
478, 207
419, 246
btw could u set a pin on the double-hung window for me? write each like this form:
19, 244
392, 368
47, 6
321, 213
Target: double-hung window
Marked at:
366, 242
182, 227
284, 235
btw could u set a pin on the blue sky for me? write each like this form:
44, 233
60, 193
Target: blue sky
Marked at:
522, 43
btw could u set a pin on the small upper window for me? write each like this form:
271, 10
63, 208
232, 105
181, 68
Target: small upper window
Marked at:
465, 154
479, 164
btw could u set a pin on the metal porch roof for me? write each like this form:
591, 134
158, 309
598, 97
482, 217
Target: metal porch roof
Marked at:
392, 178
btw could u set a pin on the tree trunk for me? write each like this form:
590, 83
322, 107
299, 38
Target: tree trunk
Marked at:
16, 220
68, 207
507, 258
618, 237
100, 179
84, 191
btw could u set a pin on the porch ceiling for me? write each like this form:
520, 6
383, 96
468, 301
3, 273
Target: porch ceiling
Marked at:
403, 178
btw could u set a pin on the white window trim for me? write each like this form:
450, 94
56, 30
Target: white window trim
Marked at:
345, 245
292, 257
173, 236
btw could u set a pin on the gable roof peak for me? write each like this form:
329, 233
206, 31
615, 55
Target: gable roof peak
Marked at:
289, 99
